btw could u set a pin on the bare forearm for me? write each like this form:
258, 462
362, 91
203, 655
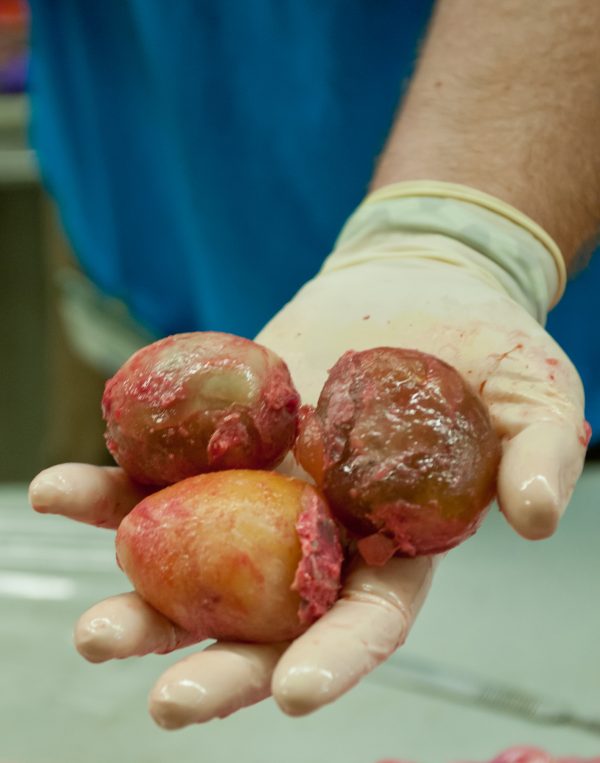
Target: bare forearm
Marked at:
506, 98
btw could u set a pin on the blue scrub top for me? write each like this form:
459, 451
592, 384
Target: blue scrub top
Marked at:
205, 153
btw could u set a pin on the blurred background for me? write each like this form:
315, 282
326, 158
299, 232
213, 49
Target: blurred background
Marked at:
61, 338
50, 394
502, 613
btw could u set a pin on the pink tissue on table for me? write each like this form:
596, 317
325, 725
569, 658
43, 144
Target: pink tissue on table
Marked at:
523, 755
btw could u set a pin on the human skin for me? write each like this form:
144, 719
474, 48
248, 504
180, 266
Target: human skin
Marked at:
459, 135
505, 99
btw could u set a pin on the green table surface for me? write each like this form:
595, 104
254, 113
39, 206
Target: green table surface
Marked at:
527, 614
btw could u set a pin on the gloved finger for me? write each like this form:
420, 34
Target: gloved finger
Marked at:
96, 495
126, 626
213, 683
536, 401
537, 475
370, 621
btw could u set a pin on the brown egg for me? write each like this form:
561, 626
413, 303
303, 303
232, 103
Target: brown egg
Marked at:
238, 555
199, 402
403, 450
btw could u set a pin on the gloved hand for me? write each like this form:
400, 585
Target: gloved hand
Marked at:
436, 267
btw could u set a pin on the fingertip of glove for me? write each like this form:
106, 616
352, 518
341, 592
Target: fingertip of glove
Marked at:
302, 689
539, 469
535, 511
175, 705
94, 639
45, 491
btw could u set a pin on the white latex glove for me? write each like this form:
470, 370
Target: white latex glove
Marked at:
436, 267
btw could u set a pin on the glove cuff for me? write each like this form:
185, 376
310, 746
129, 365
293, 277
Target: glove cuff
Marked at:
517, 251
